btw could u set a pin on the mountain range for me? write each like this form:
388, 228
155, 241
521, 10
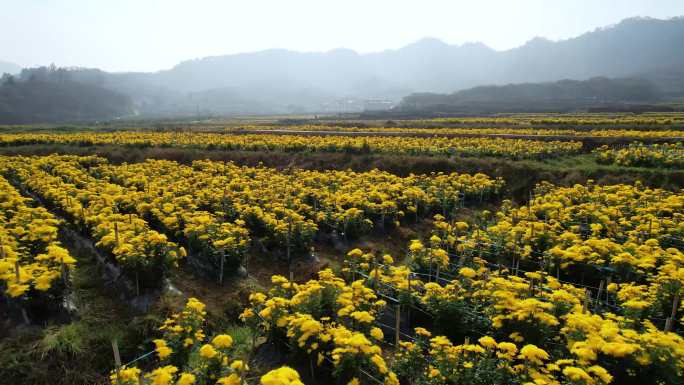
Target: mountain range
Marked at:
282, 81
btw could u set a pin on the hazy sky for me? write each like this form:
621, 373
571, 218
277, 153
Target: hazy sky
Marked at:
148, 35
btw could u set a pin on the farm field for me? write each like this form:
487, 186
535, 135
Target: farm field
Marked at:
521, 249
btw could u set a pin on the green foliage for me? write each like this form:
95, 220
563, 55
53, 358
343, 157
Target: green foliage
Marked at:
67, 339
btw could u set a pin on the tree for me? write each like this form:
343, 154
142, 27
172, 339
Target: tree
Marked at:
7, 80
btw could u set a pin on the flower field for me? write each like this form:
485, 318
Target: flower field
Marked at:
578, 284
133, 211
579, 287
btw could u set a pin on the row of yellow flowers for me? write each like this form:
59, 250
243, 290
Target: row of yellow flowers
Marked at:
100, 208
479, 131
654, 119
175, 197
31, 257
629, 229
405, 145
223, 205
666, 155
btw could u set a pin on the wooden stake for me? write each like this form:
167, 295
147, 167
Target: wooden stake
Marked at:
117, 361
291, 288
311, 367
223, 261
397, 324
353, 263
289, 232
408, 310
25, 316
650, 227
64, 274
585, 304
673, 313
375, 268
598, 294
531, 287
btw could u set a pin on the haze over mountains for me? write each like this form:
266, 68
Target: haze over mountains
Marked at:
10, 68
282, 81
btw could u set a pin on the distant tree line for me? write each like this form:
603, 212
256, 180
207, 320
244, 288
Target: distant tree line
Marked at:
552, 96
50, 94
